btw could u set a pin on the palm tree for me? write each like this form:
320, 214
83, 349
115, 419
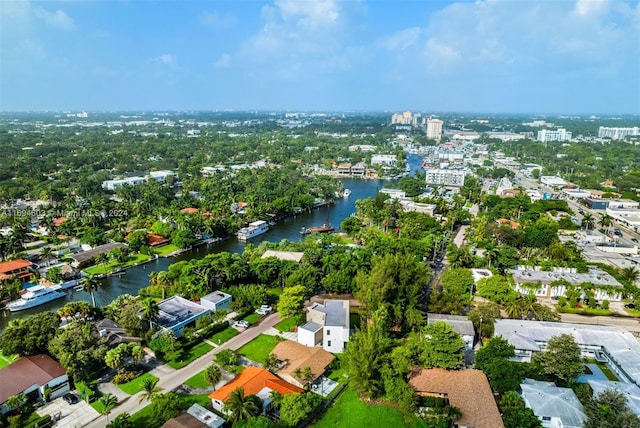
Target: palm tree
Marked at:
513, 309
276, 401
212, 375
606, 221
108, 401
91, 283
587, 221
101, 259
46, 253
242, 407
149, 310
631, 274
149, 389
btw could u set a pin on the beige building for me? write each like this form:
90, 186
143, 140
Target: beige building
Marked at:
434, 129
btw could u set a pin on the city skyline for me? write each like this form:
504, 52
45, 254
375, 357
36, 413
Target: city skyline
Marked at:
488, 57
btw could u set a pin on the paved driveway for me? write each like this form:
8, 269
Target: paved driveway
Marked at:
71, 415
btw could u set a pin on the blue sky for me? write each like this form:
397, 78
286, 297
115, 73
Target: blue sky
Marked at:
563, 56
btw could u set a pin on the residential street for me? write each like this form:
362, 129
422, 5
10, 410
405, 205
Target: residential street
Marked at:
171, 379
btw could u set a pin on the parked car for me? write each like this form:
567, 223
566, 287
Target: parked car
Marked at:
634, 240
241, 324
264, 310
630, 306
70, 398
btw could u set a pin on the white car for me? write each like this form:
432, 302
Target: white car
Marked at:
241, 324
264, 310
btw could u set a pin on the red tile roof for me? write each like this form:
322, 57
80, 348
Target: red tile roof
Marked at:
468, 390
189, 210
6, 267
26, 372
253, 379
155, 240
57, 222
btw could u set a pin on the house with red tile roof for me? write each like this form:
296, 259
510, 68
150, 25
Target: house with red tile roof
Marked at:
31, 376
20, 268
254, 381
468, 390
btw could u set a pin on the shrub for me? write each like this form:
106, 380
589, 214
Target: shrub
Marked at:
605, 304
126, 375
41, 422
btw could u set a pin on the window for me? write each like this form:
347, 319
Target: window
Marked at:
546, 418
329, 343
328, 332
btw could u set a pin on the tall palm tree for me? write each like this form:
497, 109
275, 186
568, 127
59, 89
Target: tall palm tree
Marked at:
108, 401
212, 375
90, 284
149, 389
46, 253
149, 311
587, 221
242, 406
513, 309
606, 221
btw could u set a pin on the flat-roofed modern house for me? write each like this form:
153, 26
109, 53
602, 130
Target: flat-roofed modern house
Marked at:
545, 283
254, 381
177, 313
216, 301
555, 407
31, 376
615, 347
19, 268
327, 325
294, 356
195, 416
459, 324
468, 390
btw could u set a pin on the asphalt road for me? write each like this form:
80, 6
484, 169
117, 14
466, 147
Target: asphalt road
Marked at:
170, 378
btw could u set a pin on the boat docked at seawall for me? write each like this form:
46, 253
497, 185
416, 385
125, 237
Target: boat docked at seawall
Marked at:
254, 229
325, 228
36, 296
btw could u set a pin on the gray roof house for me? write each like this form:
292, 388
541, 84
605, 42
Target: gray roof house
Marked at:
459, 324
177, 312
327, 324
554, 406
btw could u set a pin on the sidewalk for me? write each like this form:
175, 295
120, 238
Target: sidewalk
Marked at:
171, 379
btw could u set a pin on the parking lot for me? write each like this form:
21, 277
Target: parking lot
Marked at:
70, 415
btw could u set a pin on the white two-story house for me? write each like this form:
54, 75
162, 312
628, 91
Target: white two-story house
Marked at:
327, 326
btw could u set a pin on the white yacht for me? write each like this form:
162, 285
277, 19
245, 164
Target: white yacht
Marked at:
254, 229
36, 296
346, 193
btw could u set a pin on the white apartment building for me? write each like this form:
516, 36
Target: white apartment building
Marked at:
445, 177
434, 129
547, 135
327, 325
383, 160
617, 133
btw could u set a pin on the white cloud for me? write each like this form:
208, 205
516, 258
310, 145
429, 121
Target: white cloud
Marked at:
402, 40
58, 19
215, 20
167, 59
439, 56
224, 61
591, 7
300, 38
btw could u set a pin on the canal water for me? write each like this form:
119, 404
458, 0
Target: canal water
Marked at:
135, 278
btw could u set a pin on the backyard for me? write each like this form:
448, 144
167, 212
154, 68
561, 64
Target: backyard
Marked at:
286, 325
259, 348
143, 418
135, 259
349, 411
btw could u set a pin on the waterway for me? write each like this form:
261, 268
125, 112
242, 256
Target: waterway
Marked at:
137, 277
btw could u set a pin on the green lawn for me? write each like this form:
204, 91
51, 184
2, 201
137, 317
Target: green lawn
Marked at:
259, 348
196, 352
337, 373
98, 406
135, 385
602, 366
348, 411
143, 417
276, 291
224, 335
286, 325
6, 360
165, 250
197, 381
252, 318
113, 266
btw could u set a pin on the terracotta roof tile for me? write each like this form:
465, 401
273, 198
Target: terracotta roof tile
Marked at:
28, 371
14, 265
468, 390
253, 379
298, 356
